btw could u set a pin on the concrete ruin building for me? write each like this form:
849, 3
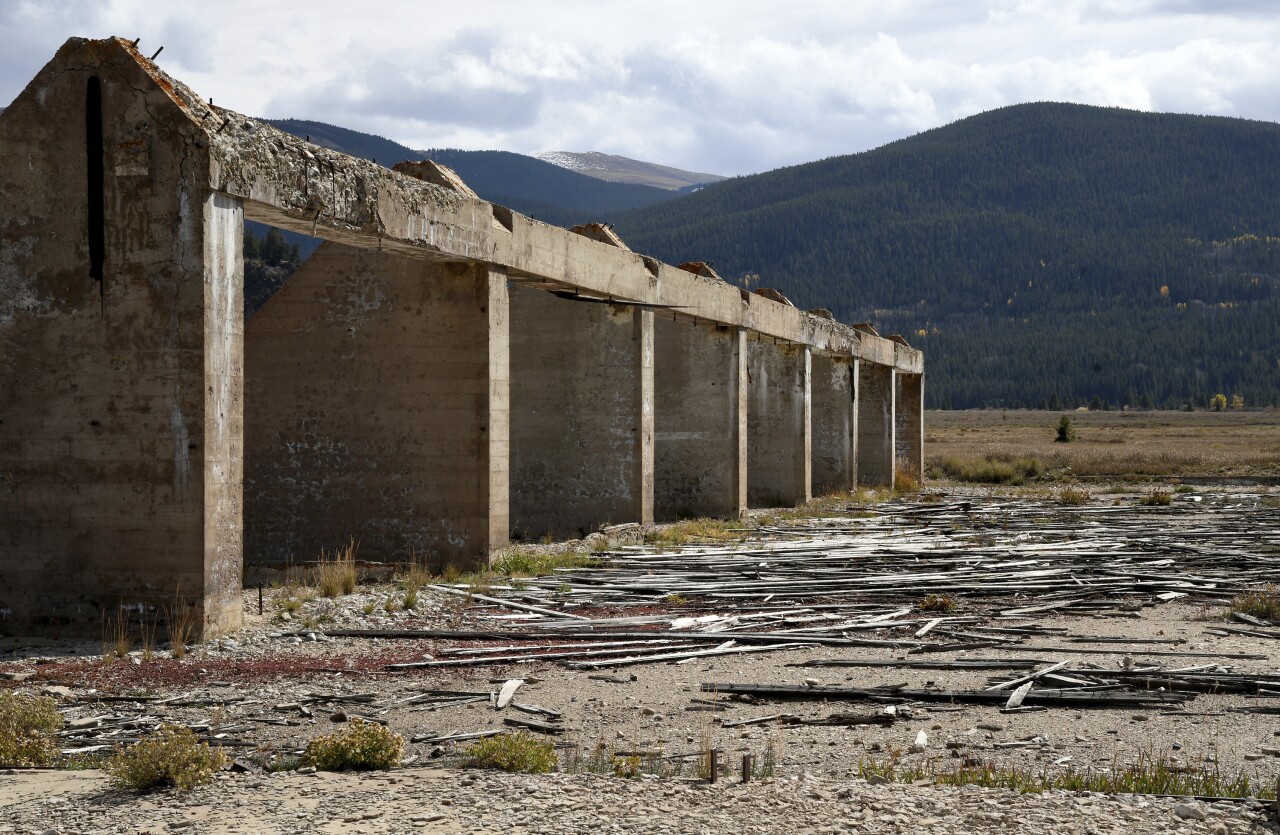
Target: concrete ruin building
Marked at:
441, 374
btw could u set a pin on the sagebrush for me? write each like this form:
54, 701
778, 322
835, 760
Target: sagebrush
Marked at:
28, 725
360, 746
519, 751
170, 756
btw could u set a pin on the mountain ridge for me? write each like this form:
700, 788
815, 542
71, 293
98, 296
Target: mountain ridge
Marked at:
1097, 251
620, 169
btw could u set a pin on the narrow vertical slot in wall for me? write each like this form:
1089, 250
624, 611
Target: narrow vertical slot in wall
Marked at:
96, 215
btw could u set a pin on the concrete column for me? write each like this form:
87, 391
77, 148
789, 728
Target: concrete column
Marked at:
779, 465
835, 424
377, 409
876, 424
700, 417
910, 425
582, 432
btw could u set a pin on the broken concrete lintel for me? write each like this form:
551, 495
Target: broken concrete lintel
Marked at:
288, 183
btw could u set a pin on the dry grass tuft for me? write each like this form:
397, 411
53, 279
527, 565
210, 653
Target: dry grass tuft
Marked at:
1157, 498
117, 636
1261, 602
181, 619
698, 530
336, 571
994, 468
1072, 497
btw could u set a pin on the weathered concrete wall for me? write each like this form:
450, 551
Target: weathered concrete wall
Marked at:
120, 354
835, 424
581, 414
876, 423
377, 410
779, 443
700, 420
909, 430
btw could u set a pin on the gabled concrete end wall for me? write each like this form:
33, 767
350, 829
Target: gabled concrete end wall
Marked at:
700, 417
120, 392
377, 411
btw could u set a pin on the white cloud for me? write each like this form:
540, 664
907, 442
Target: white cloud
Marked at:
729, 87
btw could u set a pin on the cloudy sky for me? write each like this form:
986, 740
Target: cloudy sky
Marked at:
724, 87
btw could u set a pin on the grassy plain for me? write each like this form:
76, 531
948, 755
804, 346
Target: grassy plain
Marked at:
1110, 445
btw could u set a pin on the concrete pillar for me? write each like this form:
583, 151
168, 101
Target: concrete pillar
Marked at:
910, 425
120, 356
700, 413
876, 424
835, 424
779, 458
582, 387
377, 409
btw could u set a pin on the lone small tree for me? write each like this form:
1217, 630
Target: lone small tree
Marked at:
1218, 402
1066, 432
1237, 401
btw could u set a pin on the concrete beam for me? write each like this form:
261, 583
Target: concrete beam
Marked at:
289, 183
582, 414
700, 414
876, 424
835, 424
377, 411
779, 441
909, 431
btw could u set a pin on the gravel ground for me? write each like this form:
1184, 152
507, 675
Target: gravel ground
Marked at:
448, 801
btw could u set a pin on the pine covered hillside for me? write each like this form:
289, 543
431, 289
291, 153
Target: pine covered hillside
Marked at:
1041, 254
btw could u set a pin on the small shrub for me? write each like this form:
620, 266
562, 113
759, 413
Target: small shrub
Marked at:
360, 746
1066, 432
1262, 603
1157, 498
519, 751
675, 599
1073, 497
410, 599
937, 603
171, 756
27, 728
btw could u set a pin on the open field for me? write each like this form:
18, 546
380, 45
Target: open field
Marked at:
1115, 445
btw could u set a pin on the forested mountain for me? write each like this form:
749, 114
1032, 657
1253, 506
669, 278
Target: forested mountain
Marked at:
1038, 253
528, 185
